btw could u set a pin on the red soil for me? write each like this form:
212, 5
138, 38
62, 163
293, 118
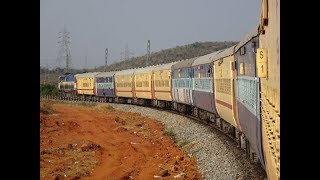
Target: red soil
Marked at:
99, 142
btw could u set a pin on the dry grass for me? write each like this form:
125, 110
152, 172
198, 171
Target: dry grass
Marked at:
104, 108
182, 144
71, 161
120, 120
94, 106
171, 134
46, 106
87, 104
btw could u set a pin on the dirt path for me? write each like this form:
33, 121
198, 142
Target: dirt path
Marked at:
98, 142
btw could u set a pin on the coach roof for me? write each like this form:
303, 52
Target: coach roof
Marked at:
88, 75
205, 59
253, 33
184, 63
106, 74
224, 53
164, 66
125, 72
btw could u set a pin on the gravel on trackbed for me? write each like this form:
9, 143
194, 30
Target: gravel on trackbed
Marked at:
218, 156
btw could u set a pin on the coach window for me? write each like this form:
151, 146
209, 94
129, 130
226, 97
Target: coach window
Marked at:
209, 72
264, 17
254, 46
188, 73
242, 50
241, 69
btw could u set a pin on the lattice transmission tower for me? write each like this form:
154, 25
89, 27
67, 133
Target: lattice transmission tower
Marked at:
126, 53
64, 50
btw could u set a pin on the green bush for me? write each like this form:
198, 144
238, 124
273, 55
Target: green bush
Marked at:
47, 89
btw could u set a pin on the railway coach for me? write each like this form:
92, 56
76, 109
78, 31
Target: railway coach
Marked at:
182, 85
86, 85
202, 89
104, 86
143, 86
162, 80
268, 66
124, 86
248, 93
224, 87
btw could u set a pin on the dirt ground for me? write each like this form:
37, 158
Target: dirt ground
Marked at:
88, 141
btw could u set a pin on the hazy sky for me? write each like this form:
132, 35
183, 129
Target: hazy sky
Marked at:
98, 24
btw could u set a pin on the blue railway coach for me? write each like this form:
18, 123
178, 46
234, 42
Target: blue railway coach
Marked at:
105, 84
182, 85
248, 91
202, 91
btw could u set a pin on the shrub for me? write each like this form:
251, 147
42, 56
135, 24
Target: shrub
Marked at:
47, 89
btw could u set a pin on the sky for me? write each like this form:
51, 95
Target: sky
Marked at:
95, 25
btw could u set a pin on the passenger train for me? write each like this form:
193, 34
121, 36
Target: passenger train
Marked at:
237, 89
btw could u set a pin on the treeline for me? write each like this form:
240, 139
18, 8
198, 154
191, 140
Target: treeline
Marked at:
170, 55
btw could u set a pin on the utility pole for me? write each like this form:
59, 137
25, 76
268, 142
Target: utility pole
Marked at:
148, 53
64, 52
106, 60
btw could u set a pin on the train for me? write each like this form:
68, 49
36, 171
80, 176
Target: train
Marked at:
67, 84
237, 89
